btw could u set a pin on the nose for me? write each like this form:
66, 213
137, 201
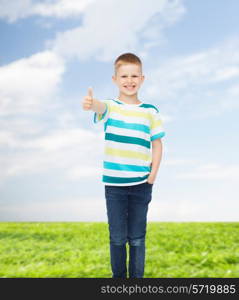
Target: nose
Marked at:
130, 81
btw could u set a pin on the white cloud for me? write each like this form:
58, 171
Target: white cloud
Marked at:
27, 84
75, 173
193, 84
107, 29
81, 209
12, 11
234, 90
11, 129
62, 149
179, 161
162, 208
59, 139
166, 118
227, 73
212, 171
214, 208
61, 8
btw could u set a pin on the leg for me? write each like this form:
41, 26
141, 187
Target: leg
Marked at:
137, 220
117, 207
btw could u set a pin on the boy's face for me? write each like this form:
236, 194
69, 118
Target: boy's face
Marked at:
128, 79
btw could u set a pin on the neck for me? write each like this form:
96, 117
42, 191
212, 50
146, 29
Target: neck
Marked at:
128, 98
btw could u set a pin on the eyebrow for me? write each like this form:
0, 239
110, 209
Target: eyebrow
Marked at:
132, 75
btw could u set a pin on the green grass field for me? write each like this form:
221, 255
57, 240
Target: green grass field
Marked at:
80, 249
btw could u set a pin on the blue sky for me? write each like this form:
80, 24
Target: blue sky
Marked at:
51, 152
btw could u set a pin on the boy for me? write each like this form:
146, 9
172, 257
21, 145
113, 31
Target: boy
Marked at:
131, 127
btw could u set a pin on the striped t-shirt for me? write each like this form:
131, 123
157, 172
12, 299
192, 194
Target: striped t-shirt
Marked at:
129, 130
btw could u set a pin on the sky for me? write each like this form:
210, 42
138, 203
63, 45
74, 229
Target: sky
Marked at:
51, 152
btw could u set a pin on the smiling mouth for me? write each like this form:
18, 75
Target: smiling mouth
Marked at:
129, 87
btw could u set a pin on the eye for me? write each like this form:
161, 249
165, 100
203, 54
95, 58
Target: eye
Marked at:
124, 76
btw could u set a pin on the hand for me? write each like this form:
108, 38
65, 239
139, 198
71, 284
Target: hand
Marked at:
150, 179
88, 100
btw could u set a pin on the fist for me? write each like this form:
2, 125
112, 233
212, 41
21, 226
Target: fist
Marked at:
88, 100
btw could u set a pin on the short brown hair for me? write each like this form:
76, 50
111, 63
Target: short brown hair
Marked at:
127, 58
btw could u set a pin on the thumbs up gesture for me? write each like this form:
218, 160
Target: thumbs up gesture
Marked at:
88, 100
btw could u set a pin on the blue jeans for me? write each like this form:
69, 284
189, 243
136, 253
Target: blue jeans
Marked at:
127, 208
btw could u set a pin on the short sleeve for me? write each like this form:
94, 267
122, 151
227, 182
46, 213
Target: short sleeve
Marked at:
156, 129
103, 117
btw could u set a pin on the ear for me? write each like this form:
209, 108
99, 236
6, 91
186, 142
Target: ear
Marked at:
113, 78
